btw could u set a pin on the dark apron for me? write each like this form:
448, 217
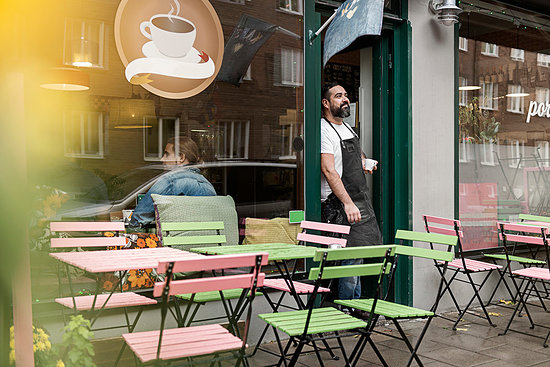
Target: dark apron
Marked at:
365, 232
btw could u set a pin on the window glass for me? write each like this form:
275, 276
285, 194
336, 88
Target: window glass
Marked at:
244, 125
503, 145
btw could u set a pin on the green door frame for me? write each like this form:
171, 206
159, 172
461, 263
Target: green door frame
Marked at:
393, 149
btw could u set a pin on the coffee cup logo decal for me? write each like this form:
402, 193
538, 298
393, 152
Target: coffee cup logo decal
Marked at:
173, 52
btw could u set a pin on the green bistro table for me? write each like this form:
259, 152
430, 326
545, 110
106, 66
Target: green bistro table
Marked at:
279, 253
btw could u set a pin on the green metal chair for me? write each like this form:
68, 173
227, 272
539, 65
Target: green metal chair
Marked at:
314, 324
184, 235
395, 311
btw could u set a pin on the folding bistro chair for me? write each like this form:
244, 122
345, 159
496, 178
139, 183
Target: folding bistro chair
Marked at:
209, 343
462, 265
184, 235
311, 325
332, 235
94, 304
529, 276
397, 312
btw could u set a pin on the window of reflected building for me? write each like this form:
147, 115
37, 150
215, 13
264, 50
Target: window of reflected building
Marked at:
504, 128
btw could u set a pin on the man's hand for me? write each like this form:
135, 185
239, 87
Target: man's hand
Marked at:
353, 213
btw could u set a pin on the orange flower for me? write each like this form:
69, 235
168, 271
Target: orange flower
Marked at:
108, 234
141, 243
150, 243
125, 287
108, 285
153, 237
137, 278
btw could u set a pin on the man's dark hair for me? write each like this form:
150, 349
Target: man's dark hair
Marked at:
326, 88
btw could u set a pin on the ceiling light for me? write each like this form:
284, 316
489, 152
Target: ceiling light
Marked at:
66, 79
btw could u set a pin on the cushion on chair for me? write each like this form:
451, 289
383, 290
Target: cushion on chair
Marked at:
199, 209
276, 230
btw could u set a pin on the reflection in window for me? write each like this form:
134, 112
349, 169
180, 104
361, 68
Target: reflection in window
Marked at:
517, 54
515, 103
232, 139
462, 44
294, 6
542, 95
464, 150
516, 151
543, 153
291, 67
156, 137
488, 93
83, 133
543, 60
248, 74
463, 94
489, 49
487, 153
84, 43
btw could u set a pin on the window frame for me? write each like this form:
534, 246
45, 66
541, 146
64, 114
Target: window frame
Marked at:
494, 91
300, 10
228, 145
486, 50
543, 60
517, 56
515, 104
295, 55
463, 44
101, 121
160, 121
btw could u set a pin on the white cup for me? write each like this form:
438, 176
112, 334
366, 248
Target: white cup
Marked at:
369, 164
172, 35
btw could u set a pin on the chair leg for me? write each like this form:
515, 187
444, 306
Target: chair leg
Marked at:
520, 303
420, 338
406, 340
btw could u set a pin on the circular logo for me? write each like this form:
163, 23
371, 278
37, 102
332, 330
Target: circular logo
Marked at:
171, 48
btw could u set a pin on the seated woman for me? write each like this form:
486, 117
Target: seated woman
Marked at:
181, 180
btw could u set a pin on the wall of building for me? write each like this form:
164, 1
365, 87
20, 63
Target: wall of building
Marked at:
432, 133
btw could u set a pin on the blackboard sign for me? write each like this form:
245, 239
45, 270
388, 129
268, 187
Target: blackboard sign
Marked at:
347, 75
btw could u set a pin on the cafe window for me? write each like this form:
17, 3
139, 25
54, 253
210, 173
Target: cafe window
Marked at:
85, 43
517, 54
291, 67
462, 44
542, 95
488, 93
156, 135
464, 150
515, 103
293, 6
83, 134
232, 138
543, 60
489, 49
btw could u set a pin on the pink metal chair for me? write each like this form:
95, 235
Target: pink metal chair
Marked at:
461, 265
205, 343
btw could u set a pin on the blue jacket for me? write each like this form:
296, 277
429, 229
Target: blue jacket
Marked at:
180, 181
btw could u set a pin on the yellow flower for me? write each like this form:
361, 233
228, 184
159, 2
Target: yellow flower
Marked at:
60, 363
150, 243
41, 346
12, 356
34, 348
48, 344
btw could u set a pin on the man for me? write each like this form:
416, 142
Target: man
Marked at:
179, 181
343, 179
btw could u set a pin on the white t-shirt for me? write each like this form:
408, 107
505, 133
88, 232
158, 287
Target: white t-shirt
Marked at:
330, 144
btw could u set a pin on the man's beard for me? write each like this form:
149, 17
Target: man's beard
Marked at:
341, 111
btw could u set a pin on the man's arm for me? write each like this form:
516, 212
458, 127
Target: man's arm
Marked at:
337, 187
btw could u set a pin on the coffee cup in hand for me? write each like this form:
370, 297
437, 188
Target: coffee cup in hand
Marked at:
369, 164
173, 36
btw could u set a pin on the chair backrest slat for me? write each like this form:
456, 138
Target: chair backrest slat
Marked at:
335, 272
191, 226
193, 240
197, 285
353, 252
536, 218
447, 231
424, 253
518, 227
327, 227
217, 262
72, 242
426, 237
441, 220
322, 240
86, 226
523, 239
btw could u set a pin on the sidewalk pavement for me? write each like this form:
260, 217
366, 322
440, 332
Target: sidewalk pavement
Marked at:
474, 343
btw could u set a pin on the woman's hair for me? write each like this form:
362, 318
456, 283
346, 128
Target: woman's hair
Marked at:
187, 147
